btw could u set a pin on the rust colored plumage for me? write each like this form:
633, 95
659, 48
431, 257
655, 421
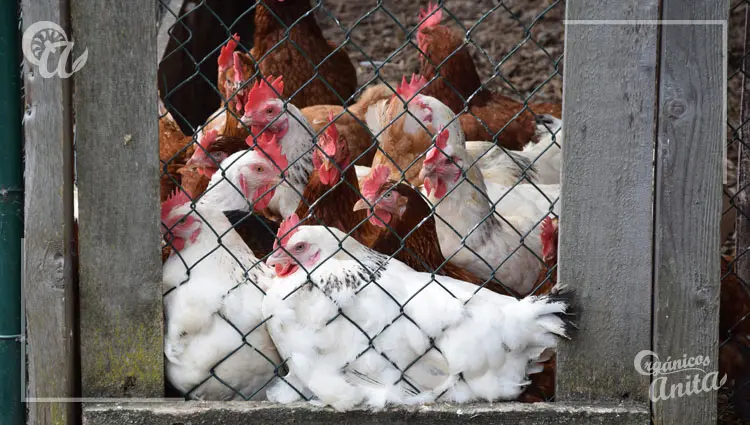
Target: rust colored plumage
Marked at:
297, 68
400, 150
351, 125
174, 150
416, 228
335, 204
542, 387
458, 80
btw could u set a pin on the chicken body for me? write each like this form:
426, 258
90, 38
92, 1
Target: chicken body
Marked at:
409, 233
198, 340
283, 56
537, 163
334, 360
404, 139
482, 242
174, 150
351, 125
458, 83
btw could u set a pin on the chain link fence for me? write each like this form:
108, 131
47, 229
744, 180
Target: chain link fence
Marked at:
294, 136
734, 346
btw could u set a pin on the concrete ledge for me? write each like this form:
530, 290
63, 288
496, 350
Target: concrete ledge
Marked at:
259, 413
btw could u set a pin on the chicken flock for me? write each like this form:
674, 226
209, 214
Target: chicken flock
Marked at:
398, 249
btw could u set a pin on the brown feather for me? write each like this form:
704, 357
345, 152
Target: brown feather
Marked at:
297, 68
458, 80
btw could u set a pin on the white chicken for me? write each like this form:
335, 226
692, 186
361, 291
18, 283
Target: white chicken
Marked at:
506, 247
538, 162
266, 112
216, 345
366, 330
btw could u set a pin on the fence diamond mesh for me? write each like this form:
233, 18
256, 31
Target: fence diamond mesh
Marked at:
734, 398
303, 163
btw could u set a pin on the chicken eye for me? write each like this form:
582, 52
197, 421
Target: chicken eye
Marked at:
269, 111
259, 169
299, 247
388, 195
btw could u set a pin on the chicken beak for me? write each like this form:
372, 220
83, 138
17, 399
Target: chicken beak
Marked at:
279, 257
360, 205
425, 172
203, 161
327, 165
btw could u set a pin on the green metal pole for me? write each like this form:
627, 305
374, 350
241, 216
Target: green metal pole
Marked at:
11, 218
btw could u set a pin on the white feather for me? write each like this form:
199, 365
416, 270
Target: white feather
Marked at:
203, 282
446, 331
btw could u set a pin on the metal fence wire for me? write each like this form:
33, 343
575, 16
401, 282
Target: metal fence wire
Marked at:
734, 329
266, 128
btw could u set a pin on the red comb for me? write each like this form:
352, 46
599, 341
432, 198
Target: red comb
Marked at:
238, 77
287, 229
434, 13
548, 236
441, 143
208, 138
263, 91
408, 90
329, 139
442, 139
225, 56
176, 199
271, 149
372, 183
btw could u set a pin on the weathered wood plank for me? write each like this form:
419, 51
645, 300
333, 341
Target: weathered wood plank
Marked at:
691, 138
49, 289
118, 186
606, 219
259, 413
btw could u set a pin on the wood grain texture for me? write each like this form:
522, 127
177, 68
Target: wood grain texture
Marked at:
261, 413
691, 139
49, 268
607, 180
118, 186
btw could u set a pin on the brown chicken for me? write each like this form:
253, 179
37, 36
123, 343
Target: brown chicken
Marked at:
333, 196
402, 141
542, 387
235, 69
458, 80
548, 275
205, 161
734, 337
297, 68
174, 150
406, 220
351, 125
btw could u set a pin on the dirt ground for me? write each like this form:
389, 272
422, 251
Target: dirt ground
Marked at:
497, 39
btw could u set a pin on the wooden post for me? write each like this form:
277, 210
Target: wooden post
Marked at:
691, 139
49, 289
609, 100
118, 185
